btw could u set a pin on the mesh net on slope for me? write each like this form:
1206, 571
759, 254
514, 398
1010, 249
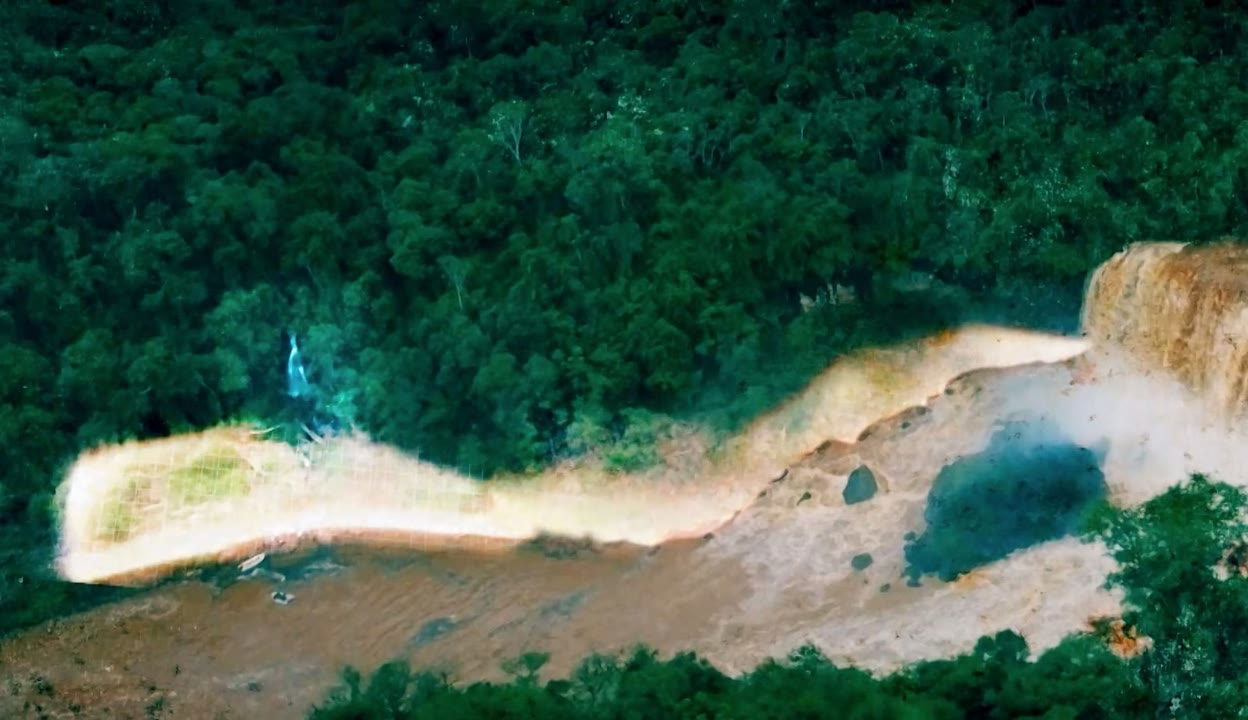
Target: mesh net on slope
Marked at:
223, 494
137, 510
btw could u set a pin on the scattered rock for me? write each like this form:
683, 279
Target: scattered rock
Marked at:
1123, 640
562, 548
41, 685
1234, 562
282, 598
324, 566
432, 630
862, 561
263, 574
562, 608
913, 417
861, 486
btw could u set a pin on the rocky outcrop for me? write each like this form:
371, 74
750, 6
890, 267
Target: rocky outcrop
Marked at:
1181, 309
861, 486
1123, 640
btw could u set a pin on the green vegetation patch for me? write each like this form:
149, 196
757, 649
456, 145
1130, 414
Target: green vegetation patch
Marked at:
217, 474
118, 515
1078, 679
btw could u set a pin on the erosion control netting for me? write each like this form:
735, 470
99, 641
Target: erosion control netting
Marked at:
141, 509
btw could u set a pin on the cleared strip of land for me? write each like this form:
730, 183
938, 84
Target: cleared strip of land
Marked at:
139, 510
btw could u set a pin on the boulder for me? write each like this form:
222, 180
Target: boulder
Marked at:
861, 486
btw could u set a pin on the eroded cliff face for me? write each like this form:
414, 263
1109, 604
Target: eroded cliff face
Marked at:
1181, 309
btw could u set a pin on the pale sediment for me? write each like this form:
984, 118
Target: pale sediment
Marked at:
1181, 310
125, 516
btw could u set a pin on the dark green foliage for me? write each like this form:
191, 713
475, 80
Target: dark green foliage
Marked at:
861, 561
1180, 556
1028, 486
638, 687
860, 487
1078, 679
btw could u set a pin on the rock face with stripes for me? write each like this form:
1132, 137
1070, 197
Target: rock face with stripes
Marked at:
1179, 309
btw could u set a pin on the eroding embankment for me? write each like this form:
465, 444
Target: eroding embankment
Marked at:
1181, 310
133, 512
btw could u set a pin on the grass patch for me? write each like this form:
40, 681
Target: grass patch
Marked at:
217, 474
118, 518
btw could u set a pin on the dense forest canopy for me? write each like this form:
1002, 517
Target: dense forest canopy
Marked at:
505, 232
